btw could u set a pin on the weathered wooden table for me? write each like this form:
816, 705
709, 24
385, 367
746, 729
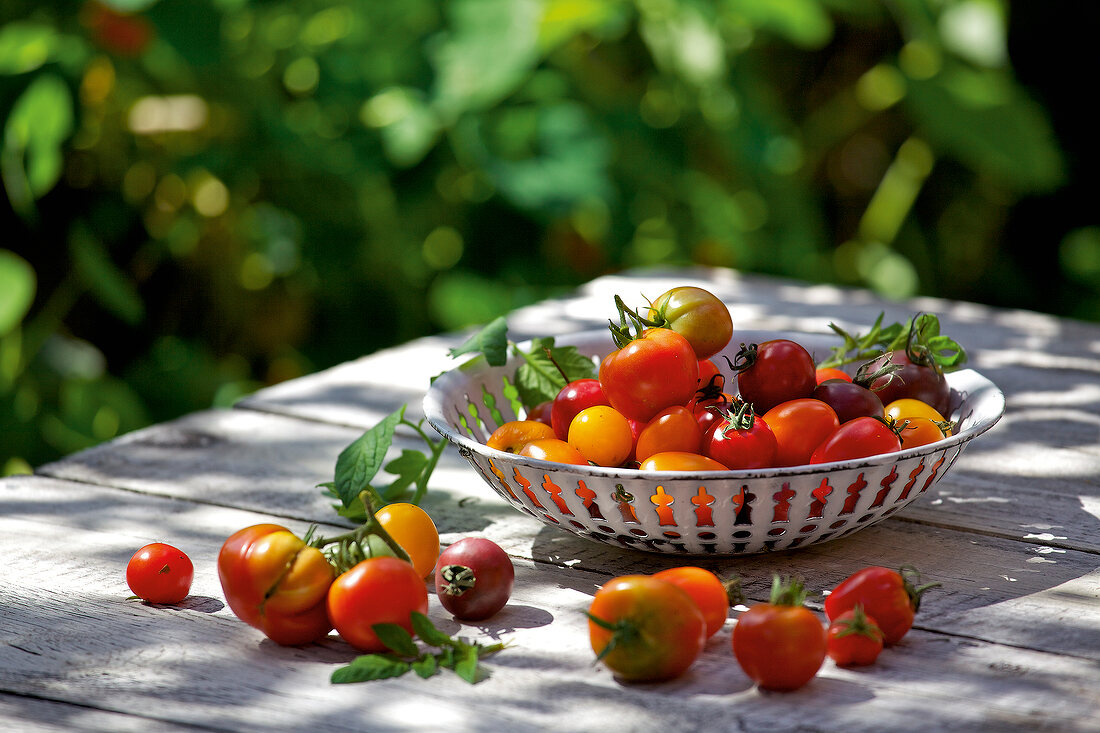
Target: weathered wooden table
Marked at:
1011, 641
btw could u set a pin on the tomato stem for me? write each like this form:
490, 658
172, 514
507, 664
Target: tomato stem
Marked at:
622, 632
910, 577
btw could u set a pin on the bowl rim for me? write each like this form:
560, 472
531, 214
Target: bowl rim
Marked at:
434, 412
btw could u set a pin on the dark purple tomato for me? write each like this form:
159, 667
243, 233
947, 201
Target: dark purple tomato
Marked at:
916, 381
473, 578
848, 400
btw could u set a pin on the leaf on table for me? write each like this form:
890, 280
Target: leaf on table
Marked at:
396, 639
428, 633
466, 664
358, 463
426, 666
370, 667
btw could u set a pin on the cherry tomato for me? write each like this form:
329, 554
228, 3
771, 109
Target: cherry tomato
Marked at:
652, 372
675, 460
412, 528
848, 400
741, 440
855, 640
552, 449
706, 589
709, 376
826, 373
573, 398
774, 372
780, 644
906, 408
514, 434
474, 578
917, 381
709, 400
542, 412
858, 438
672, 429
602, 435
645, 629
799, 427
697, 315
273, 581
375, 591
159, 573
887, 595
918, 431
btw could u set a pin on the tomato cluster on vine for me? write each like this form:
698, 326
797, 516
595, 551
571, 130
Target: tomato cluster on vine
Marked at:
661, 402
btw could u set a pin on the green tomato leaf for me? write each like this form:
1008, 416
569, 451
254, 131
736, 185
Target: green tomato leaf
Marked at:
360, 461
538, 380
428, 633
426, 666
397, 639
407, 468
370, 667
466, 665
492, 341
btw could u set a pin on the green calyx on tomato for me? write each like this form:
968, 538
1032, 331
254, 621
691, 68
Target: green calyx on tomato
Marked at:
738, 416
787, 592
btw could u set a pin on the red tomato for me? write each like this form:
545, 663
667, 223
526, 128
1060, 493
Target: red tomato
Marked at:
474, 578
602, 435
888, 596
645, 629
514, 434
827, 373
709, 376
706, 589
680, 461
800, 426
858, 438
774, 372
542, 412
552, 449
848, 400
741, 440
697, 315
671, 429
652, 372
159, 573
272, 580
780, 644
855, 640
573, 398
376, 591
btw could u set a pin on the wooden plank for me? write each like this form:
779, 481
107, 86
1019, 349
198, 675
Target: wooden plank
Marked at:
72, 638
982, 574
29, 714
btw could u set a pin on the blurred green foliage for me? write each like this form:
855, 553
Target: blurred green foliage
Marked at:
205, 196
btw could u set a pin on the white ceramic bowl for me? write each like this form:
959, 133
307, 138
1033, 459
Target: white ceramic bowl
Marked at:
698, 513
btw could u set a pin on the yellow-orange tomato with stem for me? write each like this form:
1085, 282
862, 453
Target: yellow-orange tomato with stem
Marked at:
552, 449
918, 431
602, 435
906, 407
412, 528
514, 434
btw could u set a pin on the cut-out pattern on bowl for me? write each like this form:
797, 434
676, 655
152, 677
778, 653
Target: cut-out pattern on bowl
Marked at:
716, 512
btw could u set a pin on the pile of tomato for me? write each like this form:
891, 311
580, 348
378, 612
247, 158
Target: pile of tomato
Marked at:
660, 402
653, 627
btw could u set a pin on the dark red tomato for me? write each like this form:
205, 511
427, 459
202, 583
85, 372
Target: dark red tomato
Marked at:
381, 590
159, 573
887, 595
827, 373
697, 315
657, 370
474, 578
780, 644
848, 400
574, 397
542, 412
774, 372
915, 381
800, 426
855, 639
741, 440
706, 589
858, 438
645, 629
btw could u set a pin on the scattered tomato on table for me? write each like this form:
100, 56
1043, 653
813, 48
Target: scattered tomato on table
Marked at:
891, 597
160, 573
855, 640
780, 644
474, 578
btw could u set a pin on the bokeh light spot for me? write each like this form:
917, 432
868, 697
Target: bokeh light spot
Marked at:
881, 87
302, 75
443, 247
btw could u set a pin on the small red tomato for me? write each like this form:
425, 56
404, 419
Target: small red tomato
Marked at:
706, 589
574, 397
474, 578
741, 440
858, 438
649, 373
799, 427
855, 640
774, 372
827, 373
780, 644
889, 596
159, 573
375, 591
